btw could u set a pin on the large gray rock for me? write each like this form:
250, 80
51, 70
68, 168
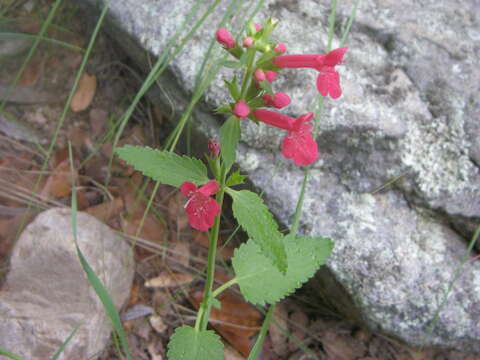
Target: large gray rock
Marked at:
410, 108
46, 293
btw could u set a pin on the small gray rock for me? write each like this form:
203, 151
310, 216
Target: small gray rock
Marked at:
46, 293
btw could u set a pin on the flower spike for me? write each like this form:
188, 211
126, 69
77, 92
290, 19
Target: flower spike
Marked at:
279, 100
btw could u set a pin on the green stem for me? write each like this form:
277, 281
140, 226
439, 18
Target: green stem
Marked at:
331, 26
298, 210
261, 336
223, 287
249, 72
212, 253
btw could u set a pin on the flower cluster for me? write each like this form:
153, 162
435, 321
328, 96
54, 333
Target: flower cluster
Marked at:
299, 144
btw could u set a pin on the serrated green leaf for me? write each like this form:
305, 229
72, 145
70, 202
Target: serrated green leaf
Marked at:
189, 344
235, 179
254, 217
260, 281
265, 85
229, 138
165, 167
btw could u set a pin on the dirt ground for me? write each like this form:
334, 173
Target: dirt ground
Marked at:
170, 256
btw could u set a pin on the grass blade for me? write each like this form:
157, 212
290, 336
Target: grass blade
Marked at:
95, 282
10, 355
65, 343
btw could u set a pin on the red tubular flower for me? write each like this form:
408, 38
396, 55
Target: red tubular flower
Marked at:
270, 75
299, 144
328, 80
241, 109
279, 100
200, 207
225, 38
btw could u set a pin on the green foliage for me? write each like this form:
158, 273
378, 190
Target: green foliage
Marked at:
165, 167
190, 344
233, 88
232, 64
260, 281
236, 179
229, 138
255, 218
265, 85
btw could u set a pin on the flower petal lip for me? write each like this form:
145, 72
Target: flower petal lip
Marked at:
300, 146
188, 188
335, 57
201, 211
209, 188
328, 82
280, 48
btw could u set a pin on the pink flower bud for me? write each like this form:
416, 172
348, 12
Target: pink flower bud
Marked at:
213, 148
259, 75
280, 48
279, 100
258, 27
241, 109
225, 38
270, 76
248, 42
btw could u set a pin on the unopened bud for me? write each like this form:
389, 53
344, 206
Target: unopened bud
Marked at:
259, 75
241, 109
248, 42
279, 100
213, 148
270, 76
225, 38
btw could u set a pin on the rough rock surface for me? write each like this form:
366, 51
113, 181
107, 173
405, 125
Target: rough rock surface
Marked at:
409, 110
46, 293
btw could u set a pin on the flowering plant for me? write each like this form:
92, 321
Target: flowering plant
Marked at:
270, 265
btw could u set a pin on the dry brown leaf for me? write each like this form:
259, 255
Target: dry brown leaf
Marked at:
340, 347
180, 253
169, 279
300, 321
98, 119
237, 321
84, 93
201, 238
230, 353
32, 73
158, 324
59, 183
107, 210
277, 330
